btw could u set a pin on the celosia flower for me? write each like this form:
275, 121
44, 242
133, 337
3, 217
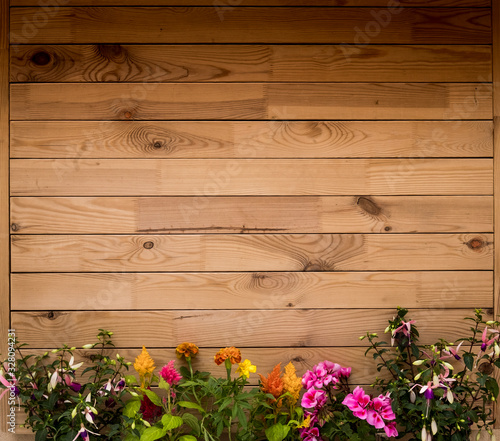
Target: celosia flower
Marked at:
232, 354
150, 411
245, 367
144, 365
273, 384
186, 350
170, 374
291, 383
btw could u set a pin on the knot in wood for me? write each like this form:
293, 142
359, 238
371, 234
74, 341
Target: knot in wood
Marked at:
298, 359
148, 245
41, 58
388, 228
128, 114
14, 227
369, 206
475, 244
51, 315
157, 145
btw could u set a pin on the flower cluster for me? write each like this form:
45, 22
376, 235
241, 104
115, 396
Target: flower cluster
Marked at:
377, 411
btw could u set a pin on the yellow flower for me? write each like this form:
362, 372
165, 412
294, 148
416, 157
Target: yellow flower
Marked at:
187, 350
306, 423
245, 368
144, 365
291, 383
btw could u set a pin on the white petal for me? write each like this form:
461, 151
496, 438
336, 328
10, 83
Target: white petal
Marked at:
434, 427
449, 396
53, 379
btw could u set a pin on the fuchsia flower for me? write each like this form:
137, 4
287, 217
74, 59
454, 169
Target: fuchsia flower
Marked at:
170, 374
405, 328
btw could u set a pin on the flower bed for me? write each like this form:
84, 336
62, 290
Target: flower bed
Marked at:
435, 392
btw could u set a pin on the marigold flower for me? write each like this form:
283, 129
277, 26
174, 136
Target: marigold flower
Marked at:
232, 354
245, 368
273, 384
144, 365
187, 350
291, 383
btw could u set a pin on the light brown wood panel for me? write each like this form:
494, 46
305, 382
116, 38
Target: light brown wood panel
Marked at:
292, 328
232, 63
308, 214
306, 252
319, 290
236, 3
238, 139
255, 25
243, 101
219, 177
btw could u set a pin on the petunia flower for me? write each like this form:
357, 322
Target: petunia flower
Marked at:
245, 367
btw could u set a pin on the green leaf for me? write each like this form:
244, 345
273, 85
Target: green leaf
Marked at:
153, 397
278, 432
189, 405
41, 435
187, 438
153, 433
130, 379
192, 422
171, 422
131, 437
492, 386
131, 408
162, 384
469, 361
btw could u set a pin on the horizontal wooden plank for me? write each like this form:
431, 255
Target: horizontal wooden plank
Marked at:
261, 63
244, 101
251, 177
232, 3
127, 291
307, 214
241, 328
306, 252
238, 139
254, 25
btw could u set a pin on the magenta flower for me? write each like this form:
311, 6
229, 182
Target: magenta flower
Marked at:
357, 402
170, 374
313, 398
322, 375
390, 429
310, 434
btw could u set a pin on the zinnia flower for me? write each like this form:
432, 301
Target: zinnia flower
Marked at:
245, 368
232, 354
144, 365
291, 383
273, 384
170, 374
186, 350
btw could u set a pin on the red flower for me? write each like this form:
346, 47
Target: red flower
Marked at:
150, 411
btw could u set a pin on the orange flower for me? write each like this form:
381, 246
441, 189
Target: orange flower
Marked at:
187, 350
273, 384
232, 354
291, 383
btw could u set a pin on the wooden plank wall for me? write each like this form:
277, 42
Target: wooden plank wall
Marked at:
276, 175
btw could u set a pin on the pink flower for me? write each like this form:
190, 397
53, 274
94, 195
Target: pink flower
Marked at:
390, 429
170, 374
313, 398
357, 401
374, 419
323, 374
310, 434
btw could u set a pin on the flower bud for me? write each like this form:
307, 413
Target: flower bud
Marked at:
73, 414
419, 362
362, 337
434, 426
424, 433
478, 436
417, 377
89, 346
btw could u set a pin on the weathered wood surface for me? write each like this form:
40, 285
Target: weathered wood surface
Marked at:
256, 25
318, 290
309, 252
240, 328
243, 101
245, 63
306, 214
250, 139
218, 177
236, 3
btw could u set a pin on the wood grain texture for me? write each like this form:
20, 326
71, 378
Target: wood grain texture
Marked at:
252, 139
256, 25
308, 214
256, 63
252, 291
228, 3
243, 101
219, 177
308, 252
240, 328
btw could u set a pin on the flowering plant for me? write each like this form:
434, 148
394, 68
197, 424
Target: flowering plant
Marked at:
439, 390
56, 404
332, 411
